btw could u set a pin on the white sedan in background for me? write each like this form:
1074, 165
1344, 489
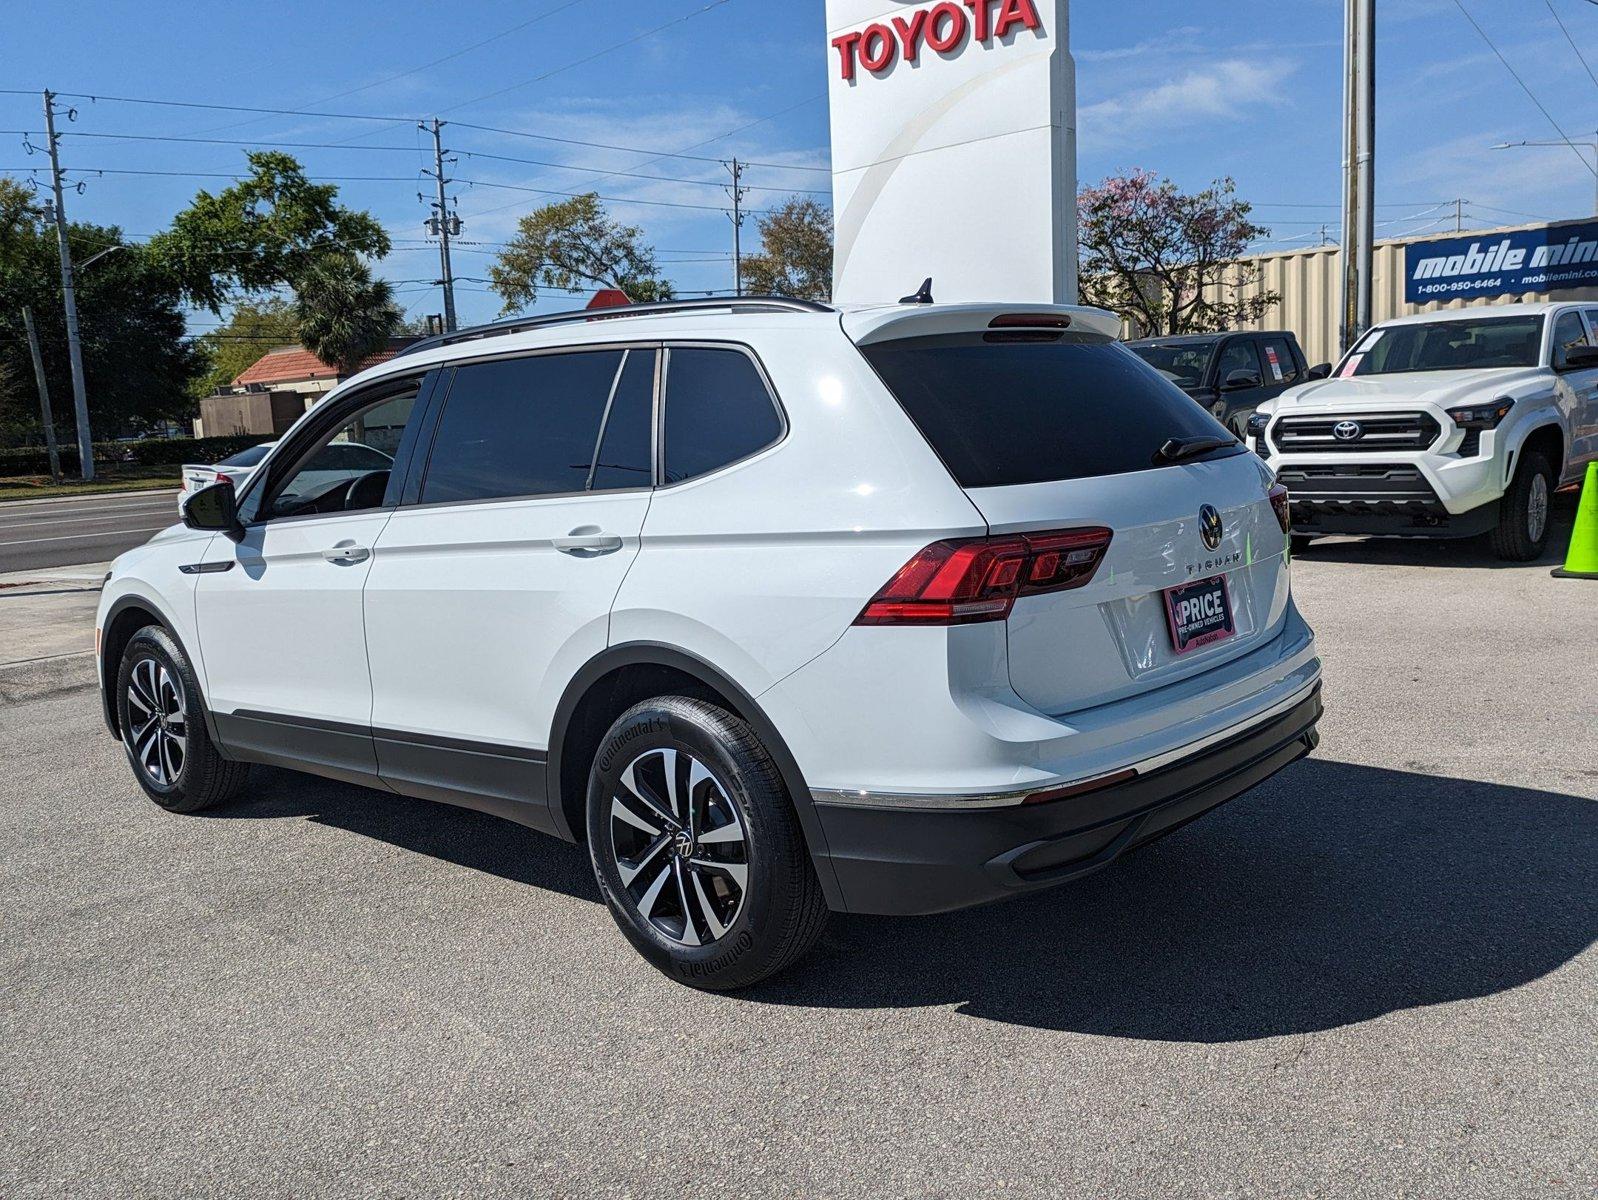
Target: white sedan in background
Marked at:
233, 470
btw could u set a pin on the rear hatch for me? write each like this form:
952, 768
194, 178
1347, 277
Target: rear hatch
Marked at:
1062, 430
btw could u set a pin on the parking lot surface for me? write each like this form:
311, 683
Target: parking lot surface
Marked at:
1372, 976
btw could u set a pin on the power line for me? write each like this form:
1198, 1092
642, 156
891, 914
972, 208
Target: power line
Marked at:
96, 98
657, 154
1582, 158
1572, 41
636, 38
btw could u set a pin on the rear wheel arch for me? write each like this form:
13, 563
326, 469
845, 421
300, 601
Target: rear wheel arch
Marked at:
611, 683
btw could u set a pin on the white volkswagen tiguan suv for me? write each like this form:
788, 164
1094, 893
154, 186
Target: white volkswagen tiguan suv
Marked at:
781, 609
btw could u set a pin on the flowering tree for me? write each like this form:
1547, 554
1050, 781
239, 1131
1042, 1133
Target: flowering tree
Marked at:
1167, 259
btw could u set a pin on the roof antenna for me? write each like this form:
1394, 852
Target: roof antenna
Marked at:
924, 296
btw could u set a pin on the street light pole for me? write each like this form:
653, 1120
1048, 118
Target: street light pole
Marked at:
1592, 145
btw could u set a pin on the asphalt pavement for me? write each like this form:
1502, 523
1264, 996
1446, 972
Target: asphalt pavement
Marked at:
39, 534
1372, 976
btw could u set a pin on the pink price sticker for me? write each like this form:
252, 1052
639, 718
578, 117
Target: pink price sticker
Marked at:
1351, 366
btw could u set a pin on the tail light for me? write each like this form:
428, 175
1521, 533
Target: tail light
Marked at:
221, 478
1284, 513
979, 579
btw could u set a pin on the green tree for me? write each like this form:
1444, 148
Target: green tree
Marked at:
253, 327
1170, 260
138, 363
795, 257
264, 232
344, 314
571, 246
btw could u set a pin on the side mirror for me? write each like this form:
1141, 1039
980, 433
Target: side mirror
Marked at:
1324, 371
1238, 380
214, 509
1580, 358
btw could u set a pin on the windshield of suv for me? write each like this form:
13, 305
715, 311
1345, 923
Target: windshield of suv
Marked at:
1470, 344
1004, 410
1183, 363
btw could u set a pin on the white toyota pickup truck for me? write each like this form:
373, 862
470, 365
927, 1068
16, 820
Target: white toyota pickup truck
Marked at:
1452, 424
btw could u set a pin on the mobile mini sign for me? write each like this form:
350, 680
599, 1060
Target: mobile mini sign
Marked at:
953, 149
1548, 259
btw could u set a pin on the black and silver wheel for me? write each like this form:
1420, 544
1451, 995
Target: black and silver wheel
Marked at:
1523, 523
163, 730
697, 848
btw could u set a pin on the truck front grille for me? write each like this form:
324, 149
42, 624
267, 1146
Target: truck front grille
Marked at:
1361, 433
1357, 487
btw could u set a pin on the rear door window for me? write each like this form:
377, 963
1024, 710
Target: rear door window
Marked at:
718, 410
1281, 366
1010, 412
521, 427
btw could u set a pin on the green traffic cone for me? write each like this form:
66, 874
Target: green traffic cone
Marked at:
1582, 561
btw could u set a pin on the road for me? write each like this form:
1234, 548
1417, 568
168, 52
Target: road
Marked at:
52, 533
1373, 976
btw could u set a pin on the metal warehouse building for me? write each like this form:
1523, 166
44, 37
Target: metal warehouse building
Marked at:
1310, 281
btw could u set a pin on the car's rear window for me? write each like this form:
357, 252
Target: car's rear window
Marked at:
246, 458
1012, 412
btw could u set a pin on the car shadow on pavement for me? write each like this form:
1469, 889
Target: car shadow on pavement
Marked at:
1332, 894
1458, 553
469, 839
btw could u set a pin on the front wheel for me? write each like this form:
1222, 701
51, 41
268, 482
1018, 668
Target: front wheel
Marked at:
1523, 524
697, 848
163, 729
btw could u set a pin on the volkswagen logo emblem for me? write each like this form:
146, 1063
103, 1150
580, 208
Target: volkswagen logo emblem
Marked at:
1210, 527
1348, 431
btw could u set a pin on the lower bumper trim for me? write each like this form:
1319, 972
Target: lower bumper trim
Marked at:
902, 862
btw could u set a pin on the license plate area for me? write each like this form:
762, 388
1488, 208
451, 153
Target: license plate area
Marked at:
1199, 613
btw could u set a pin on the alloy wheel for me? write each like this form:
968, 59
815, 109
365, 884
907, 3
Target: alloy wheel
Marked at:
1537, 508
680, 846
159, 721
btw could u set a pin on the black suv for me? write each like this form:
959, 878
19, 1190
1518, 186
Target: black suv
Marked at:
1231, 374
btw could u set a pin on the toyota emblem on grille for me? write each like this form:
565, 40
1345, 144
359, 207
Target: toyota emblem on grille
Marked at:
1210, 527
1348, 431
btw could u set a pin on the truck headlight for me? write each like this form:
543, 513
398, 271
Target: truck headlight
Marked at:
1257, 424
1482, 416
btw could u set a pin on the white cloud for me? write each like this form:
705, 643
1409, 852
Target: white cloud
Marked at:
1223, 91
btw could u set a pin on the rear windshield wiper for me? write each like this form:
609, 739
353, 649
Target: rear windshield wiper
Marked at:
1182, 449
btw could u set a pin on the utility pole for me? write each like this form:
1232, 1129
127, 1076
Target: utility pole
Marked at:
443, 225
1459, 216
80, 399
1359, 167
44, 395
737, 191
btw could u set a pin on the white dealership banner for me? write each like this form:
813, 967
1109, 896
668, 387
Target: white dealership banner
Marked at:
953, 149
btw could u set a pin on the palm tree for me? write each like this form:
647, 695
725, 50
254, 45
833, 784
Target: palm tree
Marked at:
344, 315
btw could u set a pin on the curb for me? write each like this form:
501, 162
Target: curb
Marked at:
41, 677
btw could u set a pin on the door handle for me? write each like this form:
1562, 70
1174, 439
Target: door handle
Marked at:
588, 540
346, 555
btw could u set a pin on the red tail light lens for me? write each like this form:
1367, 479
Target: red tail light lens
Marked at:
1284, 514
964, 582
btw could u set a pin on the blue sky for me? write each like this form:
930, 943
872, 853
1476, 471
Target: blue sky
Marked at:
1192, 90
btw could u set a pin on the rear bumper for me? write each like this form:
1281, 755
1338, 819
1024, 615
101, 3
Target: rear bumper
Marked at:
902, 861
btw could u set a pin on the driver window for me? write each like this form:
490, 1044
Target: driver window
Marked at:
1239, 356
1568, 334
349, 469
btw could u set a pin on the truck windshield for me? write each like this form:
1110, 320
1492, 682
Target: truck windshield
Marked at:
1183, 363
1465, 345
1002, 412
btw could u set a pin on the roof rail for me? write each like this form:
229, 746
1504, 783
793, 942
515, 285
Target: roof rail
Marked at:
737, 304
